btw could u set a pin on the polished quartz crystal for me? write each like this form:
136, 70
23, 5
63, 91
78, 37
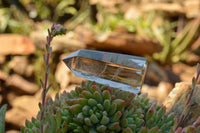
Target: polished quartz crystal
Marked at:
121, 71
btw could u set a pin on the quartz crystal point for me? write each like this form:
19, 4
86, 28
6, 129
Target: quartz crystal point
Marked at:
121, 71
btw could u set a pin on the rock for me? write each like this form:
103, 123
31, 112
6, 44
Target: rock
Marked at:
62, 75
75, 79
118, 42
159, 93
2, 59
193, 59
177, 99
3, 76
132, 12
184, 71
12, 131
189, 8
16, 117
20, 65
24, 107
11, 96
15, 44
19, 84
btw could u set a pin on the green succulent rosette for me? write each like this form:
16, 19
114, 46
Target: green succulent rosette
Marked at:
95, 108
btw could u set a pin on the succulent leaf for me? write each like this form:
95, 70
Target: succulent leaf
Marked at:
105, 120
94, 119
101, 128
96, 108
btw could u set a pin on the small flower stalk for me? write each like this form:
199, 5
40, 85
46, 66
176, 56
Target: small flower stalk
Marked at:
187, 106
54, 31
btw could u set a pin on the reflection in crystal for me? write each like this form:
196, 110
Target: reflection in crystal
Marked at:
105, 71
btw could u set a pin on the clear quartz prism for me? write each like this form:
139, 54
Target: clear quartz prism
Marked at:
121, 71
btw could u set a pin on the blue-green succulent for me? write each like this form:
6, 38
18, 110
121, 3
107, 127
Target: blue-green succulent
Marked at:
95, 108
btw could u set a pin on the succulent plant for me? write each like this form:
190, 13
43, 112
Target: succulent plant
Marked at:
97, 108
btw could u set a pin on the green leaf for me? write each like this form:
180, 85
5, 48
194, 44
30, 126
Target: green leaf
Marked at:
124, 123
88, 122
48, 88
64, 127
42, 83
98, 96
74, 109
92, 102
150, 113
154, 130
170, 117
94, 118
120, 104
86, 109
105, 120
160, 114
143, 130
100, 107
106, 105
193, 83
80, 117
46, 128
132, 126
106, 95
101, 128
127, 130
113, 126
116, 116
87, 94
2, 118
113, 109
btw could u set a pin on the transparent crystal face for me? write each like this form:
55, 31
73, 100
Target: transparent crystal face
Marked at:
116, 70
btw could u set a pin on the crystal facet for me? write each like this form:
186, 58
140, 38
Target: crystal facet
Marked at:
121, 71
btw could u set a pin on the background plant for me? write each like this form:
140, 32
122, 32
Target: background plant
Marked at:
176, 44
13, 20
18, 16
140, 25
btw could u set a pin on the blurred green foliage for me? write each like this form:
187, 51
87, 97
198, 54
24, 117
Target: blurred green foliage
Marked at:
110, 21
18, 16
13, 21
175, 43
49, 9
